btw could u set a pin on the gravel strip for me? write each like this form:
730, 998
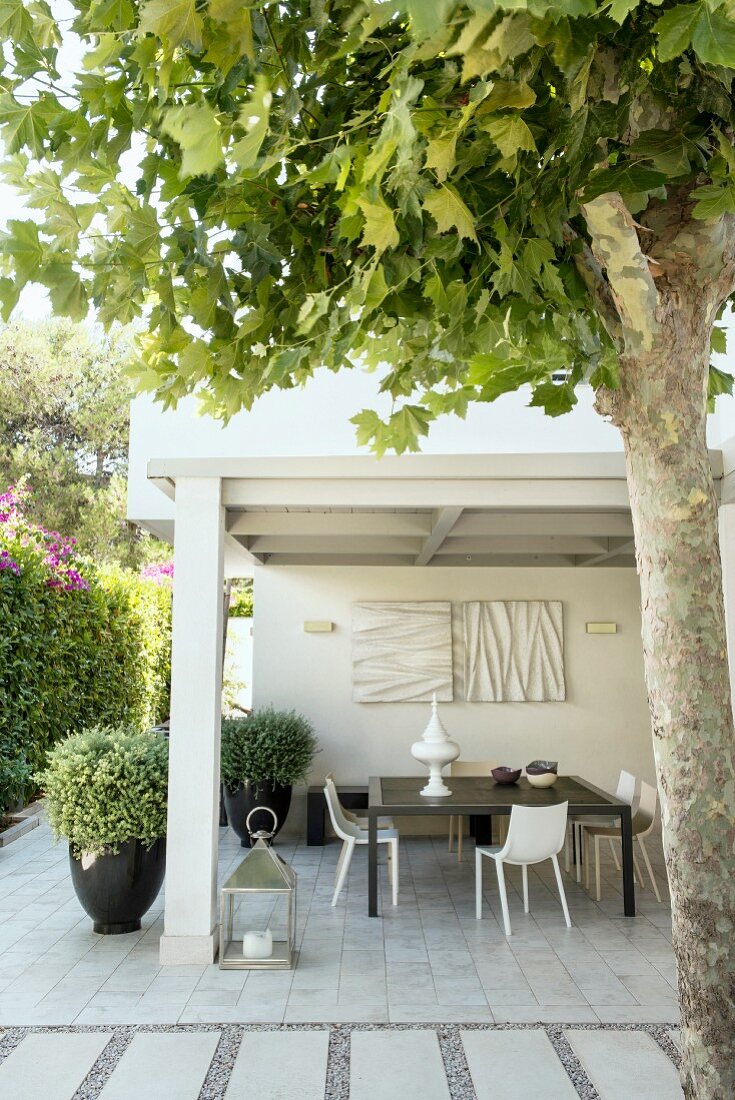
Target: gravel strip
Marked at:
102, 1069
459, 1079
572, 1065
215, 1083
337, 1086
9, 1040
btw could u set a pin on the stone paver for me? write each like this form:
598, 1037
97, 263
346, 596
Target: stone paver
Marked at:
280, 1065
395, 1065
515, 1065
162, 1065
51, 1065
364, 1062
626, 1063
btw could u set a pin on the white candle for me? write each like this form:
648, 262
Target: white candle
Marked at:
257, 945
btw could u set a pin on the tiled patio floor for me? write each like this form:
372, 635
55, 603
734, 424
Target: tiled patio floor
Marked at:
427, 961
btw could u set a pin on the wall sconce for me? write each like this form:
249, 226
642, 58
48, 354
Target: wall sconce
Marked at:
318, 626
602, 628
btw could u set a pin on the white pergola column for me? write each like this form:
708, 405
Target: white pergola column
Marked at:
727, 552
190, 918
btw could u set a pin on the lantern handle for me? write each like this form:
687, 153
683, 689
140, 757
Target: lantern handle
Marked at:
262, 832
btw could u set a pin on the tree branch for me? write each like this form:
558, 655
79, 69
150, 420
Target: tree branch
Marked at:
594, 279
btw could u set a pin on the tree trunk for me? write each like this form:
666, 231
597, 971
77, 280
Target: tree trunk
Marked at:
660, 410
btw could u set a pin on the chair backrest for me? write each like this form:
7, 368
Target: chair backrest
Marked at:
535, 833
645, 814
626, 788
472, 767
342, 827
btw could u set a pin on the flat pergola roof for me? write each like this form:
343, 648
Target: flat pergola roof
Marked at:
567, 510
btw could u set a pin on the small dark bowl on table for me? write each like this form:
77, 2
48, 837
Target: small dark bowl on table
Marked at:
505, 776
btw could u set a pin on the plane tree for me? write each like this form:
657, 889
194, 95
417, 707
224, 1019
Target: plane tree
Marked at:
471, 198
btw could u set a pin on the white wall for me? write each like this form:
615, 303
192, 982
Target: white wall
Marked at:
602, 727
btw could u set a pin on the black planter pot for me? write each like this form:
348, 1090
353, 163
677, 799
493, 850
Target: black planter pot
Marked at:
239, 803
117, 890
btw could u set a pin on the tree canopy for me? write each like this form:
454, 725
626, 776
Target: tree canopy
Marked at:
64, 421
467, 195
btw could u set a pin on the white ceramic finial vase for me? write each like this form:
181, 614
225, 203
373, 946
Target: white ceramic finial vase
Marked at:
435, 750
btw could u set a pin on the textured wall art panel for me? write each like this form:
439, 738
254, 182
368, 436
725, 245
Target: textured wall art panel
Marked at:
514, 651
401, 652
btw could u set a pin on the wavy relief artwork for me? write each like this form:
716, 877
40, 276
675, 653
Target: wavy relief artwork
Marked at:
402, 652
514, 651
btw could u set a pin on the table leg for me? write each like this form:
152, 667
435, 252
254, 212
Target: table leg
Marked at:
483, 830
626, 837
372, 865
315, 806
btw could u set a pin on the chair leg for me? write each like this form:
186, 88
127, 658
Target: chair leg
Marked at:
578, 852
348, 848
524, 869
478, 884
393, 849
562, 895
503, 895
460, 836
451, 831
614, 853
638, 871
586, 837
598, 891
647, 861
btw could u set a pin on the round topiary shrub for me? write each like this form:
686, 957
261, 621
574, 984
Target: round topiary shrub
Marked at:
107, 785
268, 745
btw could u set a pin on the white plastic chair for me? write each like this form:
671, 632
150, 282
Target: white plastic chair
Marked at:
456, 821
643, 821
360, 820
625, 793
535, 833
352, 835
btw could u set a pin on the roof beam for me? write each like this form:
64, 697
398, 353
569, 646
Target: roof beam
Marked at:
523, 544
623, 546
326, 524
331, 544
594, 524
444, 521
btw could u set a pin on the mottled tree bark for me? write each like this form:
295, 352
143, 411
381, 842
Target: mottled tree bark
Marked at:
660, 409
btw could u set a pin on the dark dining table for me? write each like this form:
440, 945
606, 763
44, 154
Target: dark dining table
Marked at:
481, 798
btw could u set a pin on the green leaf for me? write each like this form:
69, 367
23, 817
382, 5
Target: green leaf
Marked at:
15, 22
380, 230
197, 131
176, 22
511, 135
427, 16
714, 200
23, 125
536, 254
675, 29
450, 212
441, 154
718, 340
713, 40
68, 296
254, 119
22, 243
718, 381
555, 398
509, 93
9, 295
629, 179
620, 9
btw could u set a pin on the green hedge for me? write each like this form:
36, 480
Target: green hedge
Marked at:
72, 659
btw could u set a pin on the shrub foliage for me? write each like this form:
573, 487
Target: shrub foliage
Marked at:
106, 785
276, 745
79, 644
